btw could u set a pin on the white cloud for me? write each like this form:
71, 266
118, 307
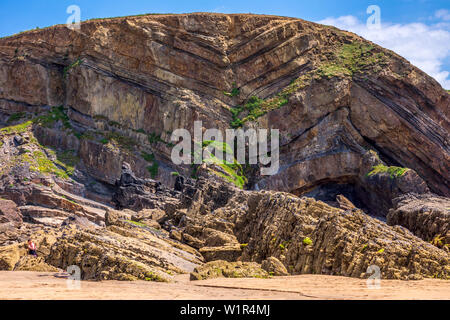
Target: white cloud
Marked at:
425, 46
443, 14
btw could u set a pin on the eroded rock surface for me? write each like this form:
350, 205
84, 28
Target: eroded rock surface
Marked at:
86, 119
306, 235
9, 213
332, 94
426, 215
220, 268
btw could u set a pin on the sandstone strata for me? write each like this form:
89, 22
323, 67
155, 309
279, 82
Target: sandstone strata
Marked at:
427, 216
220, 268
86, 119
306, 235
144, 76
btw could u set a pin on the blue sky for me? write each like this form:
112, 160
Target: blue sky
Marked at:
419, 30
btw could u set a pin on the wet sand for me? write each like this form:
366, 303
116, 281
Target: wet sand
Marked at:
50, 286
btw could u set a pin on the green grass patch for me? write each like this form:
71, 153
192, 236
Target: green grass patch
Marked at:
348, 60
221, 147
394, 172
307, 241
54, 115
150, 276
75, 64
19, 128
353, 58
46, 166
234, 92
149, 157
438, 241
68, 160
139, 224
256, 107
231, 171
154, 138
153, 169
16, 116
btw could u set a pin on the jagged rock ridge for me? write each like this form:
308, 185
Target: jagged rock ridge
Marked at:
357, 122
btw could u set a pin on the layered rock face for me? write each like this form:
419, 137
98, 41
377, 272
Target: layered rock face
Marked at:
9, 212
86, 119
150, 75
124, 251
426, 215
305, 235
235, 230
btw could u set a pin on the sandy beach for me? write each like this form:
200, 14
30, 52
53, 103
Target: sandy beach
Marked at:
50, 286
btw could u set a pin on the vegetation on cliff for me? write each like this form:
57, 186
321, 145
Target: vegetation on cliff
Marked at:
153, 169
230, 171
75, 64
394, 172
348, 60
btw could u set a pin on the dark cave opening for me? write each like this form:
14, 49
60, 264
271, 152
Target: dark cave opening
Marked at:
328, 189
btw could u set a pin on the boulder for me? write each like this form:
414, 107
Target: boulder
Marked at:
36, 264
15, 257
9, 212
225, 269
274, 267
10, 256
114, 217
426, 215
150, 217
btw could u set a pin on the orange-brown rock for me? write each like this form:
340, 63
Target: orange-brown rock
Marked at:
89, 114
157, 73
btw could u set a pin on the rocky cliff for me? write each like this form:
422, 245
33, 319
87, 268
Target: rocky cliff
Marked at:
359, 128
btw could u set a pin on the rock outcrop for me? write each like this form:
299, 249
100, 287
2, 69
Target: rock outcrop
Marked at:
9, 213
306, 235
14, 252
125, 250
274, 267
220, 268
127, 83
426, 215
136, 194
86, 120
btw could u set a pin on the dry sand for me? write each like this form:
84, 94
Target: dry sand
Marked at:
50, 286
